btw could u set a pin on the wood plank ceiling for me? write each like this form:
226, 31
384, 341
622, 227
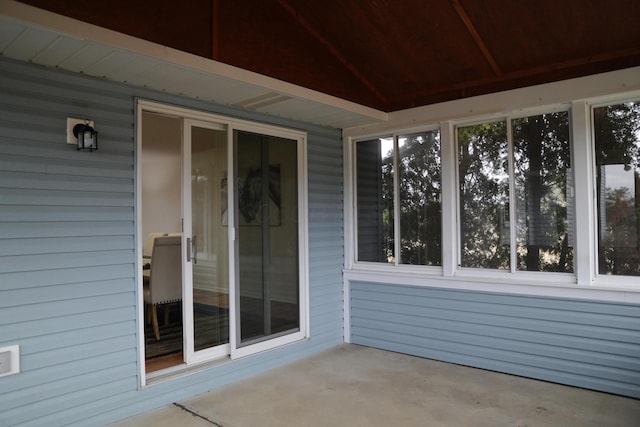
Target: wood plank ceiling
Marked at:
387, 54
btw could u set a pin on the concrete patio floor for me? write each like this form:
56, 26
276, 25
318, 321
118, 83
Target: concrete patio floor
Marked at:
358, 386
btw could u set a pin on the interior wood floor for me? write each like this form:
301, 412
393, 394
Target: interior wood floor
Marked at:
218, 299
211, 298
287, 319
163, 362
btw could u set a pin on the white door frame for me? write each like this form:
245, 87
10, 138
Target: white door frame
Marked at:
189, 118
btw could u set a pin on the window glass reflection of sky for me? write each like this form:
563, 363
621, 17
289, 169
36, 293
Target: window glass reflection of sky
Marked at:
619, 178
386, 148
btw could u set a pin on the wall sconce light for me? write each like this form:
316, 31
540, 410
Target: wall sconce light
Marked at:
87, 136
81, 133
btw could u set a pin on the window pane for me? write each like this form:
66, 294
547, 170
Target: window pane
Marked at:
211, 270
420, 209
542, 177
268, 297
375, 200
484, 195
617, 145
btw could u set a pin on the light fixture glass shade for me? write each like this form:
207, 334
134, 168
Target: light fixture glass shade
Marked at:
87, 137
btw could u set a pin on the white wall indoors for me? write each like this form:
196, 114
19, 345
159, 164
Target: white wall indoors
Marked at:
161, 174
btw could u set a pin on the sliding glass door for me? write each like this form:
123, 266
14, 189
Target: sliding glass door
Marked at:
206, 240
268, 270
234, 192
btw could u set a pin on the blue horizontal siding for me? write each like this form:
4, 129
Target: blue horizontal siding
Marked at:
73, 337
31, 312
24, 180
82, 322
71, 259
66, 231
588, 344
62, 292
36, 162
62, 373
67, 242
67, 214
44, 278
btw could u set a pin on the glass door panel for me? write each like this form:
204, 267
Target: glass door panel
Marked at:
160, 205
208, 248
240, 219
268, 279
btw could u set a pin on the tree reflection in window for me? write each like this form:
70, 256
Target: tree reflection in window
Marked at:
544, 189
419, 167
617, 154
484, 195
531, 166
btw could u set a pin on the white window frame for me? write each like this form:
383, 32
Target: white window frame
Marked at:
584, 282
513, 271
351, 158
606, 280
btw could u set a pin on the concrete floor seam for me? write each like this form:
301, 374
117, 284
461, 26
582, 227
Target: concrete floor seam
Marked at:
195, 414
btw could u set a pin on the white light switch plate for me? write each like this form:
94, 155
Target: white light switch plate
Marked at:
9, 360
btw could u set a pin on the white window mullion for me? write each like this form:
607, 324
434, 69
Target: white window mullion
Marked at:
584, 175
350, 203
396, 201
513, 209
449, 198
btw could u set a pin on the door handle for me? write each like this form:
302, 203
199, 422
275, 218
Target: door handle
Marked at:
192, 249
